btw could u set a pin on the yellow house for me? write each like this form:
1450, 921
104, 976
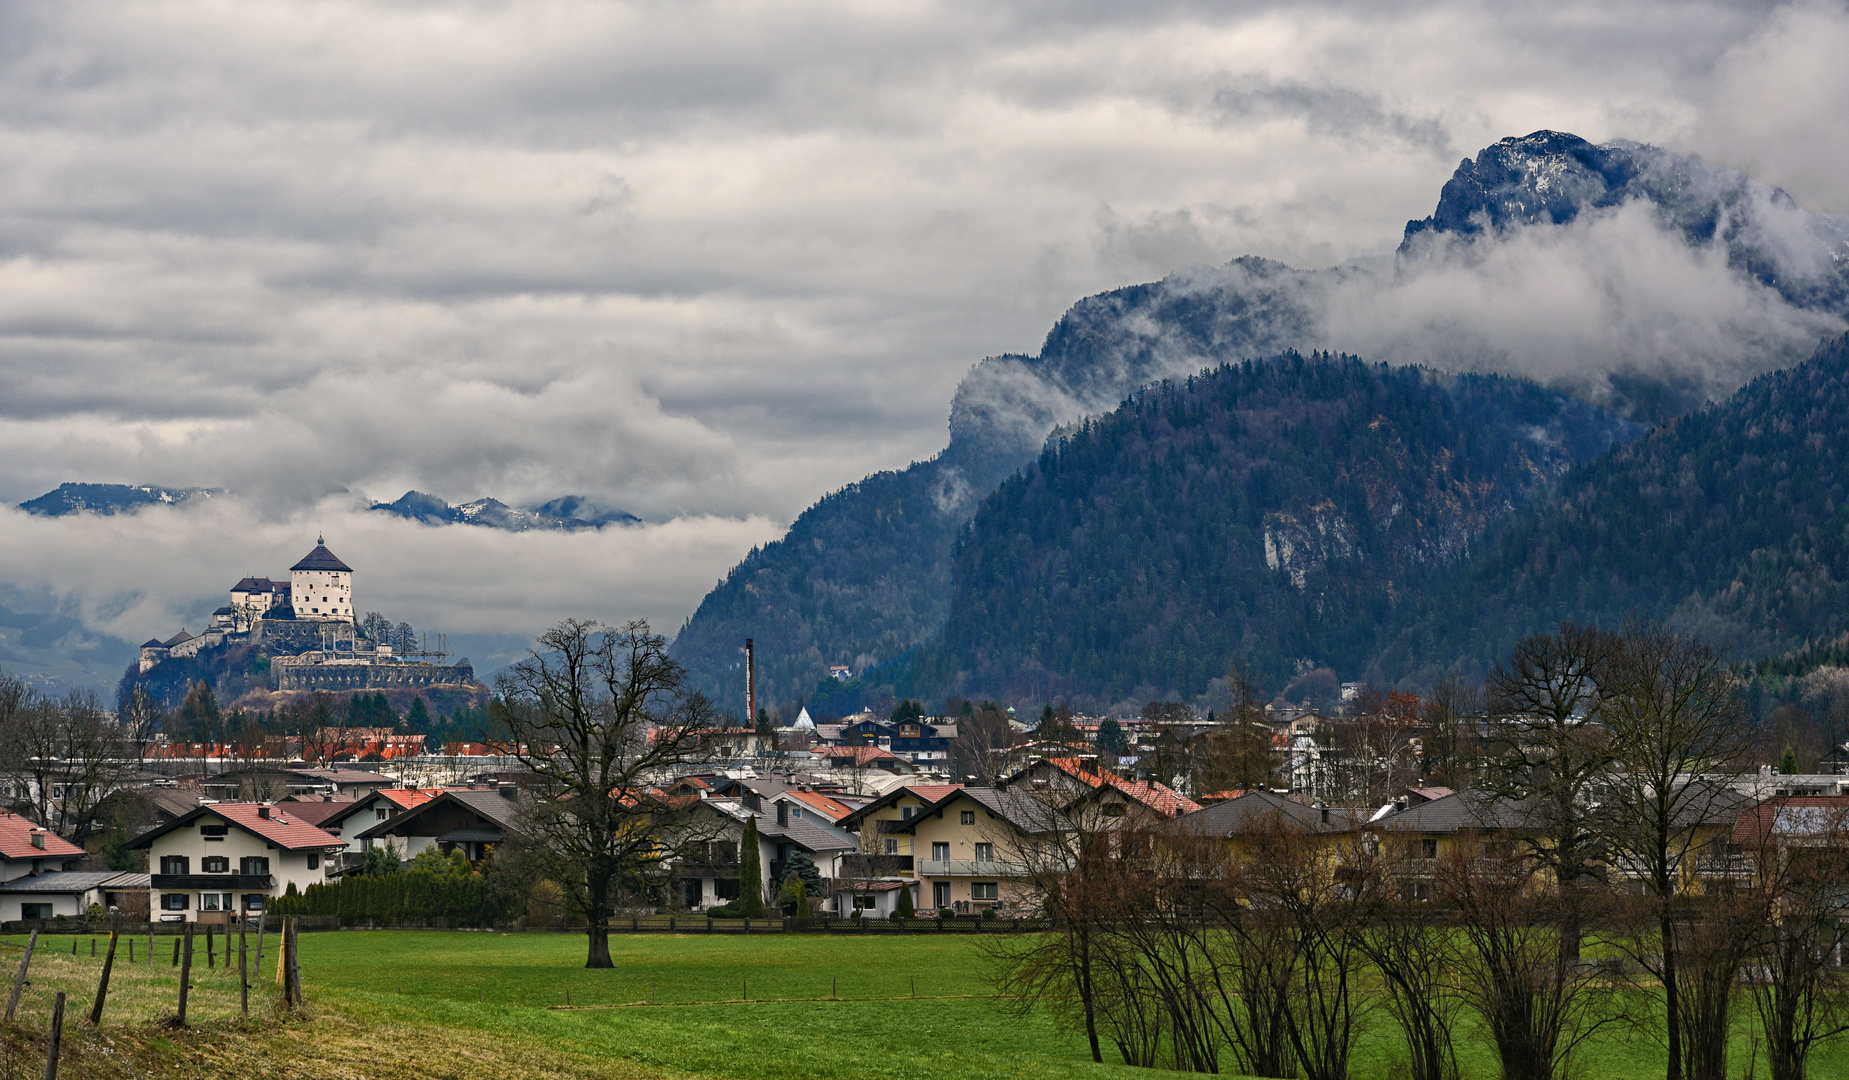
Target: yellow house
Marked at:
972, 847
878, 822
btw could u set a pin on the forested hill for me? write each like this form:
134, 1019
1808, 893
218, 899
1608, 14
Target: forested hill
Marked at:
1732, 521
1277, 511
864, 574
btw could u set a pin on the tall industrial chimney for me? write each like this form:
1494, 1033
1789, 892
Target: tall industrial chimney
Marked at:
751, 686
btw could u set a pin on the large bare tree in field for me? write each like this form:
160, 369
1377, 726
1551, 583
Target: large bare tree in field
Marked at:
1550, 747
598, 715
1673, 718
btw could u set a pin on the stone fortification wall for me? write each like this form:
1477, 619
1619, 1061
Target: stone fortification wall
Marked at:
369, 676
292, 637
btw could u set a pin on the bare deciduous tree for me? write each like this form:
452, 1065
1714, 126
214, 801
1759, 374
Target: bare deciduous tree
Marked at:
1550, 747
1673, 718
1537, 1004
63, 756
597, 715
1798, 984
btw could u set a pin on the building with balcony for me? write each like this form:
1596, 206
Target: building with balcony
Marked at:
972, 848
222, 860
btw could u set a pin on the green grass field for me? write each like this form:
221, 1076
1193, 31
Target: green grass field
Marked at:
390, 1004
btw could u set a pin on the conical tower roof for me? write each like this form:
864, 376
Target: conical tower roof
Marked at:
321, 559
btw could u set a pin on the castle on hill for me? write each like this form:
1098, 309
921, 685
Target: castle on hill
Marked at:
307, 627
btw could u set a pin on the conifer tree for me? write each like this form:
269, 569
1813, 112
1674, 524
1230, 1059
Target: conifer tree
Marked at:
750, 873
905, 910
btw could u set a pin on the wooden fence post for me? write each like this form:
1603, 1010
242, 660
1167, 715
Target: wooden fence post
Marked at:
131, 950
211, 957
186, 969
102, 985
292, 946
243, 974
54, 1041
262, 917
19, 981
176, 946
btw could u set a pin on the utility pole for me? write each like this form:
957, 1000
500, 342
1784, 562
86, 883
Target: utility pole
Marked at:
751, 686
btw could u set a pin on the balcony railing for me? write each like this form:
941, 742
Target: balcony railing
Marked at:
970, 868
225, 882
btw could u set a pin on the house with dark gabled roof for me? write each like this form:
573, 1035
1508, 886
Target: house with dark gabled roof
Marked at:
469, 820
352, 818
706, 872
972, 846
223, 860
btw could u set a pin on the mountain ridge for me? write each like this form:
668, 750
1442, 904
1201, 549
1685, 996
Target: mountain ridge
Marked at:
809, 609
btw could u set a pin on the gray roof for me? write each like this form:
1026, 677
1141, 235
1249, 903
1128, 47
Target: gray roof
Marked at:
1016, 807
1464, 811
489, 804
1256, 808
808, 835
75, 881
470, 836
321, 559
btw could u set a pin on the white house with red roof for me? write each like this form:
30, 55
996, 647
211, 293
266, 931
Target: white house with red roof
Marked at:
223, 859
349, 821
26, 848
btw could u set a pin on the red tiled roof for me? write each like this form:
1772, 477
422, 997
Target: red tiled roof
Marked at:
406, 798
16, 841
1161, 798
834, 808
281, 828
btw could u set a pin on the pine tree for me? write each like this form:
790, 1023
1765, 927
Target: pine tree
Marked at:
750, 873
417, 717
1789, 763
905, 910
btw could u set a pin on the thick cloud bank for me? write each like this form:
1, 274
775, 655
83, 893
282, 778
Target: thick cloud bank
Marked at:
148, 574
704, 262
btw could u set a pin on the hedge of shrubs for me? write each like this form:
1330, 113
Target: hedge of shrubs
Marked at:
431, 887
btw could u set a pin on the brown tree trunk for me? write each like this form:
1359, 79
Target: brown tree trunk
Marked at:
1672, 1027
598, 930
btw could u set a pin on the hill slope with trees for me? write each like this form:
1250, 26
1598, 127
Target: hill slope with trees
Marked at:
1731, 522
1279, 511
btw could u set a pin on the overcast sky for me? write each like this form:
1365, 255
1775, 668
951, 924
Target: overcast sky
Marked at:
701, 262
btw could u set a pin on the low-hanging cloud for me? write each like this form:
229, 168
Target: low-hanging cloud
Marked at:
150, 573
705, 262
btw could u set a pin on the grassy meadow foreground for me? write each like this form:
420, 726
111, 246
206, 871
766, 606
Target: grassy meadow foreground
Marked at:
391, 1004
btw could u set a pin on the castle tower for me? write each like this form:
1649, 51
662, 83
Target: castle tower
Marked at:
321, 586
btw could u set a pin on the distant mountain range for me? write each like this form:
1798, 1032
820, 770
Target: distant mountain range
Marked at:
873, 571
569, 513
109, 498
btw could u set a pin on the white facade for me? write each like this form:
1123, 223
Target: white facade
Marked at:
225, 857
321, 594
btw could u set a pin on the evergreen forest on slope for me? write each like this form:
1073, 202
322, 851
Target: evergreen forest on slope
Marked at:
1279, 511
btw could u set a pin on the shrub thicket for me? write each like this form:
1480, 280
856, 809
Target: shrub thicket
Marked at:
432, 887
